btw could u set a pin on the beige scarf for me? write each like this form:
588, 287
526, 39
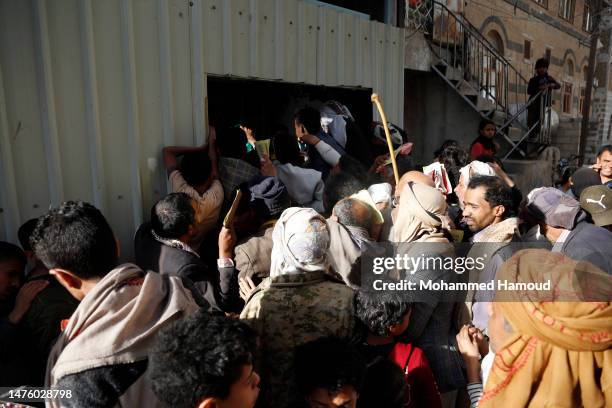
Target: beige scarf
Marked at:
501, 232
343, 255
486, 243
421, 216
116, 323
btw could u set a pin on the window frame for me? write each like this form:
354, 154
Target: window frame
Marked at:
587, 18
542, 3
527, 46
571, 6
566, 99
548, 54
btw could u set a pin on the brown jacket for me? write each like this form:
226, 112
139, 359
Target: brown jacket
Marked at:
253, 256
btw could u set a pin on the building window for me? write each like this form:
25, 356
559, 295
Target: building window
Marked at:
548, 54
581, 100
587, 18
543, 3
527, 50
567, 98
566, 10
569, 68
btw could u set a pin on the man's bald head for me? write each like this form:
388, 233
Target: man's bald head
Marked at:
415, 177
351, 212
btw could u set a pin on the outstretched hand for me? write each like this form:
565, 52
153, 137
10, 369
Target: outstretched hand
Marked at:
247, 287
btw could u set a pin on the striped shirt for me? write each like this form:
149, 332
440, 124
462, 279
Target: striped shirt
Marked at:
475, 392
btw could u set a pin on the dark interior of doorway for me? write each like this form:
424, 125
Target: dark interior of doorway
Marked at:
269, 104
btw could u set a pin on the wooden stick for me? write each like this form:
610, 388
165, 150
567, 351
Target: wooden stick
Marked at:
229, 217
383, 117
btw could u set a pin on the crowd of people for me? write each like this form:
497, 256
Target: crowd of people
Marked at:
269, 307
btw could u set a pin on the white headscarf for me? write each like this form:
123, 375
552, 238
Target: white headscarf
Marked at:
476, 168
301, 242
381, 193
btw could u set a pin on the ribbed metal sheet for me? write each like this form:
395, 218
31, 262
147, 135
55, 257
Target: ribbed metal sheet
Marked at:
91, 90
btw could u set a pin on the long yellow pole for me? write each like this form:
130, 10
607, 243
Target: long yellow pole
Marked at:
383, 117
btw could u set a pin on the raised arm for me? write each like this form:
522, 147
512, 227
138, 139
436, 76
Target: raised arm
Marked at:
170, 153
328, 153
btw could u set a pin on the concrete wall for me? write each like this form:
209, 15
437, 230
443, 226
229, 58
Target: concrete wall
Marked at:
567, 136
529, 174
434, 112
418, 55
600, 126
600, 129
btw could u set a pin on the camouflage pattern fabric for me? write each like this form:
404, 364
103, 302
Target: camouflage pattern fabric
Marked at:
287, 311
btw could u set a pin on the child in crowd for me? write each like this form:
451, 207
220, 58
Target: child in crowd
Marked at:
386, 316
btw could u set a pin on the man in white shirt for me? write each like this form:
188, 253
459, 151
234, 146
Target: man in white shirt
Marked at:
197, 176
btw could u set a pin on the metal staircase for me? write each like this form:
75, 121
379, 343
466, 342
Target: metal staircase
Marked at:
484, 78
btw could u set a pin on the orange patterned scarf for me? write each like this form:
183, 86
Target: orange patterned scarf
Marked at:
560, 352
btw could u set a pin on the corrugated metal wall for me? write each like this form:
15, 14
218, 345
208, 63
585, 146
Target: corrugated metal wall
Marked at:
91, 90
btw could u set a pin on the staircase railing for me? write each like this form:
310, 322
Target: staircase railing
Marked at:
460, 45
537, 132
485, 71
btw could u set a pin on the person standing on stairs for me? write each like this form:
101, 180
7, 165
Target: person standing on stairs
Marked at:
540, 82
484, 145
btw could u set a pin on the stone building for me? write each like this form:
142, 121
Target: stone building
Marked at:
600, 124
520, 31
556, 29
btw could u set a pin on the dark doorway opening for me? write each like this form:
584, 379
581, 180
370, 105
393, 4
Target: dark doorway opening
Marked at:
269, 104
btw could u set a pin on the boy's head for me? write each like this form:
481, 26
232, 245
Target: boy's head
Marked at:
173, 217
384, 314
195, 168
384, 386
541, 66
205, 361
12, 266
307, 121
76, 244
329, 373
24, 233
